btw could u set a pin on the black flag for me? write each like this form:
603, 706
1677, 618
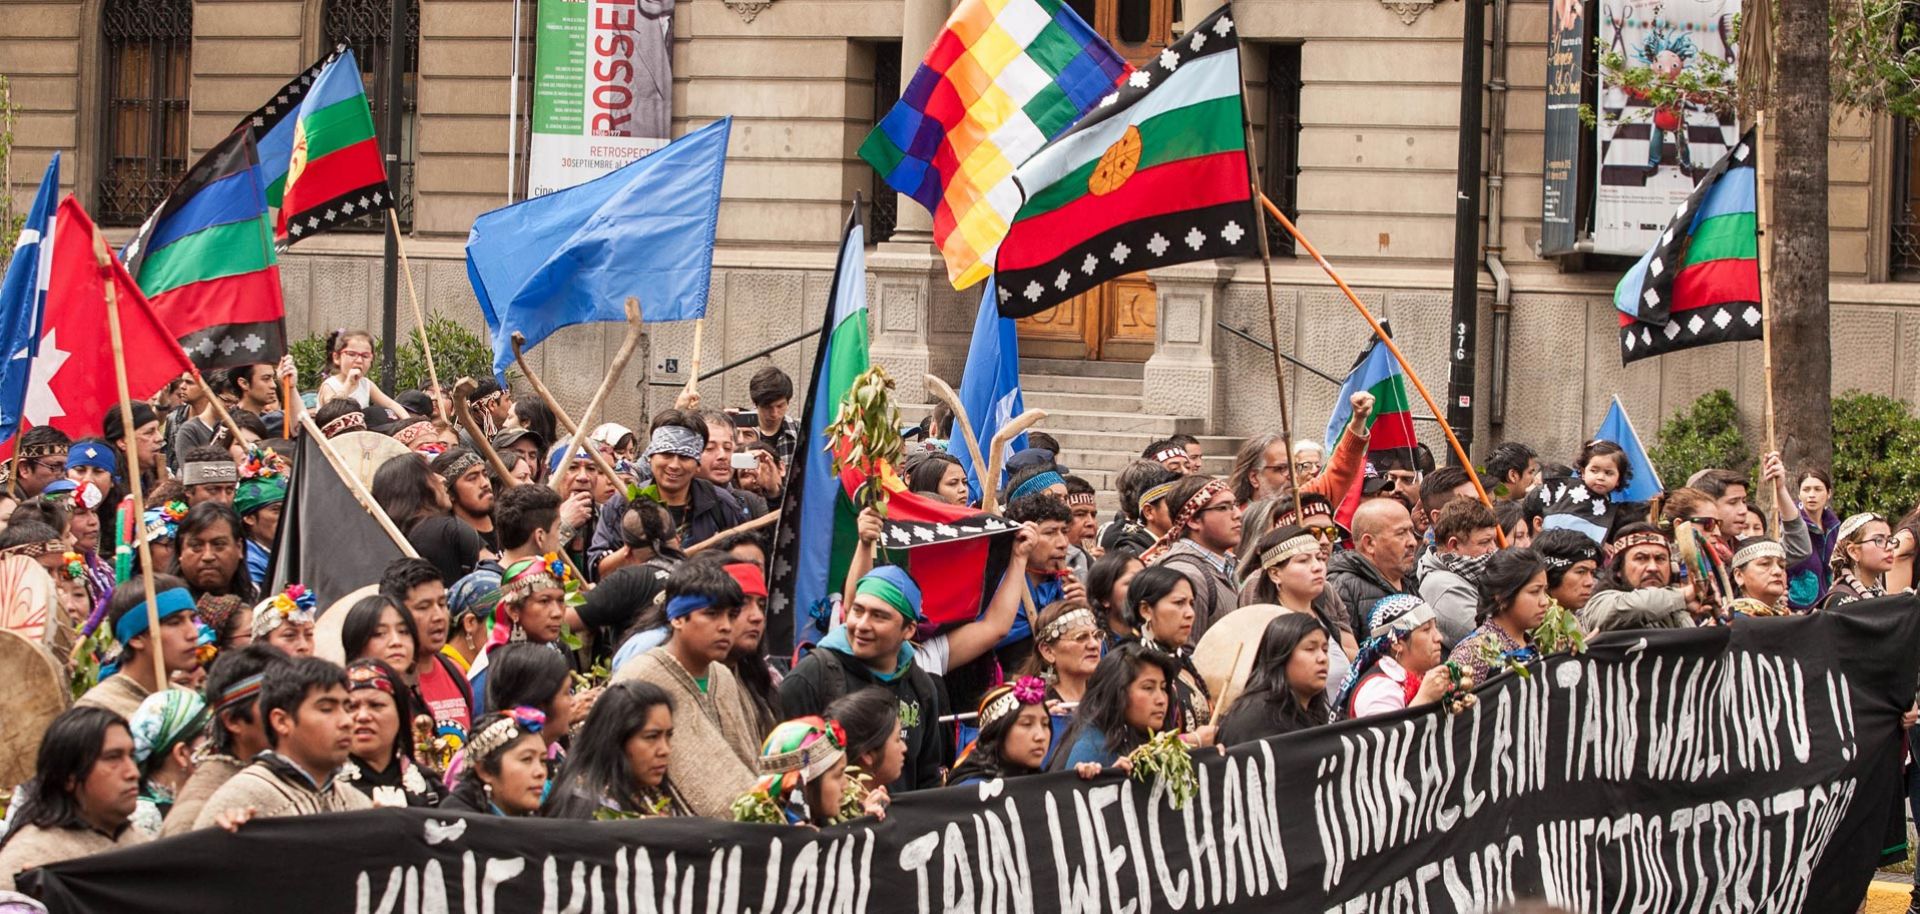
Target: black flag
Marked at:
327, 541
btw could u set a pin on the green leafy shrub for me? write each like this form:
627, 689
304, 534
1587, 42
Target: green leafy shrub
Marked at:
457, 352
1706, 435
1876, 455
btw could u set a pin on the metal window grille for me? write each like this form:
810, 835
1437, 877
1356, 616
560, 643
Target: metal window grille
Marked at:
149, 58
1280, 172
1905, 234
885, 212
364, 26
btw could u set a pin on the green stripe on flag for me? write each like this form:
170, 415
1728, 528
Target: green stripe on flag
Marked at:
1203, 128
1734, 236
222, 250
277, 190
847, 358
337, 126
1389, 396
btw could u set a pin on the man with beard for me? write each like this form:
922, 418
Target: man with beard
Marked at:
470, 491
1634, 589
698, 508
1378, 563
211, 554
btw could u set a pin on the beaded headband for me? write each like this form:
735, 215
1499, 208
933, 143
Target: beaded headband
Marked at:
1009, 699
203, 472
1759, 550
1066, 623
1155, 494
344, 424
493, 737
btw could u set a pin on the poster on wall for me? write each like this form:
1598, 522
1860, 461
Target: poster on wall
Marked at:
602, 88
1651, 156
1567, 47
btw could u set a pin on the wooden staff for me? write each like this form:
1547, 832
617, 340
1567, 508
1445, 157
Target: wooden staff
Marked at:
1273, 315
287, 398
461, 389
693, 377
945, 394
620, 363
991, 482
219, 408
1766, 313
360, 493
762, 521
419, 316
105, 261
1380, 333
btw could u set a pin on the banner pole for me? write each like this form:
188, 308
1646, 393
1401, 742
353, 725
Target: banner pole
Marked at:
619, 364
944, 393
1273, 312
105, 261
559, 415
226, 418
419, 317
1761, 201
461, 389
693, 380
1381, 334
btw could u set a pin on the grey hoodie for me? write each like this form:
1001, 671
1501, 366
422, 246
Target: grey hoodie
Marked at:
1455, 600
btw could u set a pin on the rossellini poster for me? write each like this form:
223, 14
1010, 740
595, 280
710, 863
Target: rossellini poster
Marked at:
1567, 47
602, 88
1650, 156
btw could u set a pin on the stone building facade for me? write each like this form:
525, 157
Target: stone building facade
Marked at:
1357, 100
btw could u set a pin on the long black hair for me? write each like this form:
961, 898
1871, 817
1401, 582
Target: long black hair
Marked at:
402, 701
536, 417
867, 717
1103, 709
925, 469
597, 770
405, 489
68, 752
202, 517
1102, 578
364, 619
1149, 587
1506, 574
1269, 706
525, 674
471, 792
988, 761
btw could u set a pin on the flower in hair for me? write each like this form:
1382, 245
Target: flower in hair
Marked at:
76, 565
529, 719
1030, 690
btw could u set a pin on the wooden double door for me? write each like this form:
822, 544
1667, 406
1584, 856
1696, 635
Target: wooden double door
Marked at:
1114, 322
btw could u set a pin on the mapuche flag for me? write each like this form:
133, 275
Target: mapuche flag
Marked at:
1003, 78
1155, 176
334, 171
73, 383
1389, 428
1700, 284
205, 261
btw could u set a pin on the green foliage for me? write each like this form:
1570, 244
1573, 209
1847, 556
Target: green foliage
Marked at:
1706, 435
866, 435
10, 221
457, 352
1706, 80
1166, 759
1876, 55
1876, 455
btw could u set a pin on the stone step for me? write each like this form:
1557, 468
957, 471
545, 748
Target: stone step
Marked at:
1060, 383
1083, 369
1063, 401
1058, 422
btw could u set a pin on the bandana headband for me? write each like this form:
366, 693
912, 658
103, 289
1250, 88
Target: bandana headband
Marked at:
1404, 622
674, 440
1037, 484
241, 692
889, 585
1066, 623
344, 424
94, 455
1175, 533
816, 754
460, 466
1643, 538
686, 604
413, 432
1009, 699
204, 472
362, 674
1759, 550
1076, 499
1300, 545
135, 623
1155, 494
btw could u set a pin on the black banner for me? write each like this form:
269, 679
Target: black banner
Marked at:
1751, 769
1562, 185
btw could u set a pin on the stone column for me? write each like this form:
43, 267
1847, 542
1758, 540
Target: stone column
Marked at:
1183, 377
920, 24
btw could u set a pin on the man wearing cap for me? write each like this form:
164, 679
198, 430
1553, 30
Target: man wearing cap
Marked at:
871, 648
1633, 591
715, 738
209, 475
258, 500
176, 641
526, 443
586, 490
40, 457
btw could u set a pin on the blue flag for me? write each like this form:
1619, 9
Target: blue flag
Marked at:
990, 387
574, 256
23, 300
1617, 428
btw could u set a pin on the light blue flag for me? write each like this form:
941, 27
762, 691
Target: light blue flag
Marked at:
574, 256
990, 387
23, 300
1617, 428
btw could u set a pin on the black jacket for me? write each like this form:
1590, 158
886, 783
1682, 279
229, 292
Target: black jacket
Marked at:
826, 674
1360, 585
710, 510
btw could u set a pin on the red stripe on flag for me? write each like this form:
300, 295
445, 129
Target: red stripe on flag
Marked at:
1176, 186
345, 169
1716, 282
248, 298
1393, 431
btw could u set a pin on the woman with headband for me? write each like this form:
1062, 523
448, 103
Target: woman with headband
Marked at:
1862, 556
506, 770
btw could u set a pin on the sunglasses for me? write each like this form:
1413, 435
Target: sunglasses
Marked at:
1709, 523
1326, 533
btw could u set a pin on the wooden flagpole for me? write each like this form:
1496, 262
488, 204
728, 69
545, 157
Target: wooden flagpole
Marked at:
579, 431
1381, 334
359, 490
105, 261
226, 418
1761, 219
693, 376
419, 318
1273, 317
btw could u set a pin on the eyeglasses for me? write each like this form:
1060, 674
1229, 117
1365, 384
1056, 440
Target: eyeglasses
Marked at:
1879, 542
1308, 466
1229, 506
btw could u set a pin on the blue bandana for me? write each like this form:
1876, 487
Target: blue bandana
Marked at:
1037, 484
135, 623
686, 605
93, 455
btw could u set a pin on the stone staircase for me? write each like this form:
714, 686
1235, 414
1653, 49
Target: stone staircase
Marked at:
1095, 410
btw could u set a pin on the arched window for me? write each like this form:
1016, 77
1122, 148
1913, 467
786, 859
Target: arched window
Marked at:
149, 59
363, 26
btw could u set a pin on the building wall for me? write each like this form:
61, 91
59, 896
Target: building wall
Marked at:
1376, 191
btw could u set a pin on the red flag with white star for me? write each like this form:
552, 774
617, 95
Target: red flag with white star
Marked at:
73, 384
